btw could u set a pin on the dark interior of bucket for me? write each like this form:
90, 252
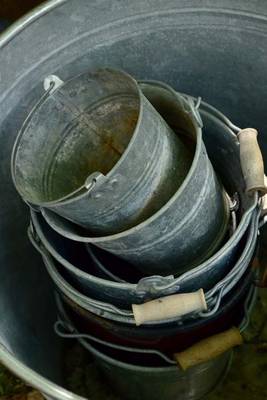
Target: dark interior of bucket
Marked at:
208, 50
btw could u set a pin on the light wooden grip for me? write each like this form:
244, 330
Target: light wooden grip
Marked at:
251, 160
209, 348
169, 307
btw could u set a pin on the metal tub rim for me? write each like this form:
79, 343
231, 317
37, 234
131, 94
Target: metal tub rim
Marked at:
33, 378
7, 358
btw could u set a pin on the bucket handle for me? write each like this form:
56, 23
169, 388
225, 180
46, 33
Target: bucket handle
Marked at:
208, 349
250, 154
169, 307
214, 296
66, 331
49, 89
216, 345
251, 161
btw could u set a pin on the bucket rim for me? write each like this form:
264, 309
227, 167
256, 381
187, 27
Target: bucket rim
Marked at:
31, 16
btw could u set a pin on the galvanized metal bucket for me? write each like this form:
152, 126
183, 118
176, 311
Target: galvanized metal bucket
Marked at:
96, 152
213, 296
84, 275
136, 378
139, 383
190, 227
169, 337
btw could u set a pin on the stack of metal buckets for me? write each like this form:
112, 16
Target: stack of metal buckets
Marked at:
145, 206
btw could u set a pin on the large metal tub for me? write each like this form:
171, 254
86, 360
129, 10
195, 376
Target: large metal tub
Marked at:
204, 48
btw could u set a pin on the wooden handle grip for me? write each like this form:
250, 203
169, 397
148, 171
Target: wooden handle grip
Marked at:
209, 348
251, 160
169, 307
